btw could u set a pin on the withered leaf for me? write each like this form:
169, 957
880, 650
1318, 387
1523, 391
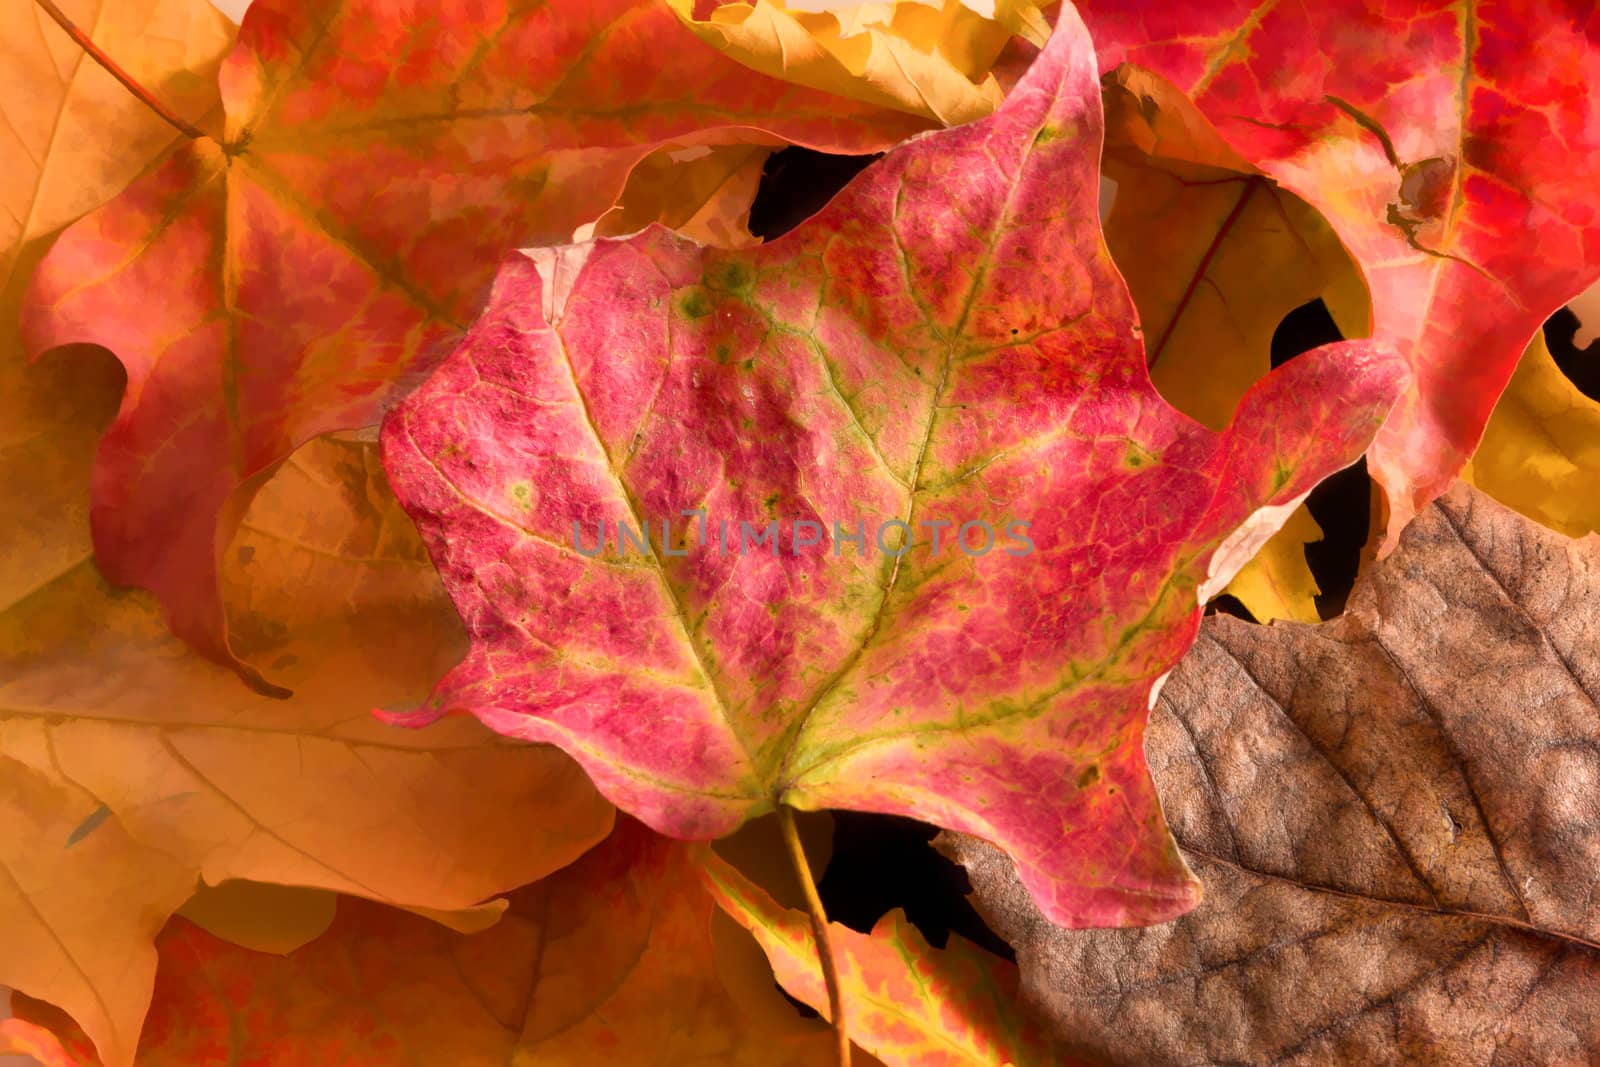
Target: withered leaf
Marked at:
1396, 818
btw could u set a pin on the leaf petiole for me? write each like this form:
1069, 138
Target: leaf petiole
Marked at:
127, 80
819, 930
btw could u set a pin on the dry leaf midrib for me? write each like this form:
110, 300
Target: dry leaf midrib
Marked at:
1443, 912
1516, 604
1459, 760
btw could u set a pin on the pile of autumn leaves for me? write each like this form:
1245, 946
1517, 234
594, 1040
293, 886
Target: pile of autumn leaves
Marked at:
204, 591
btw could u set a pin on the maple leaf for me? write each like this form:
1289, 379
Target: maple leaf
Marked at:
612, 960
1394, 817
130, 768
51, 417
326, 557
925, 58
907, 1003
947, 342
1461, 175
83, 899
378, 159
1215, 255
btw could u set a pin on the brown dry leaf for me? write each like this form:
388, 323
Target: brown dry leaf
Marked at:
130, 766
1215, 254
1396, 816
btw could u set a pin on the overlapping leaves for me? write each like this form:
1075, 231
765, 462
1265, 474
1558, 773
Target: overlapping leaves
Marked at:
1461, 173
297, 274
948, 342
1394, 816
613, 960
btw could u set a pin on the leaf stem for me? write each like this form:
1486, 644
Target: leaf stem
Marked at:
95, 53
819, 930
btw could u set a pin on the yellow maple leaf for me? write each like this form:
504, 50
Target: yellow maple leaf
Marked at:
926, 59
1540, 453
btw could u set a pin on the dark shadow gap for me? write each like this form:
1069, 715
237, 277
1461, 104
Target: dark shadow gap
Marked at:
1580, 365
883, 862
1228, 604
1306, 327
796, 183
1342, 504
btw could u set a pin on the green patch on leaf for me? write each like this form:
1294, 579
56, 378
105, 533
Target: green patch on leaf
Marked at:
733, 277
695, 304
1137, 456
